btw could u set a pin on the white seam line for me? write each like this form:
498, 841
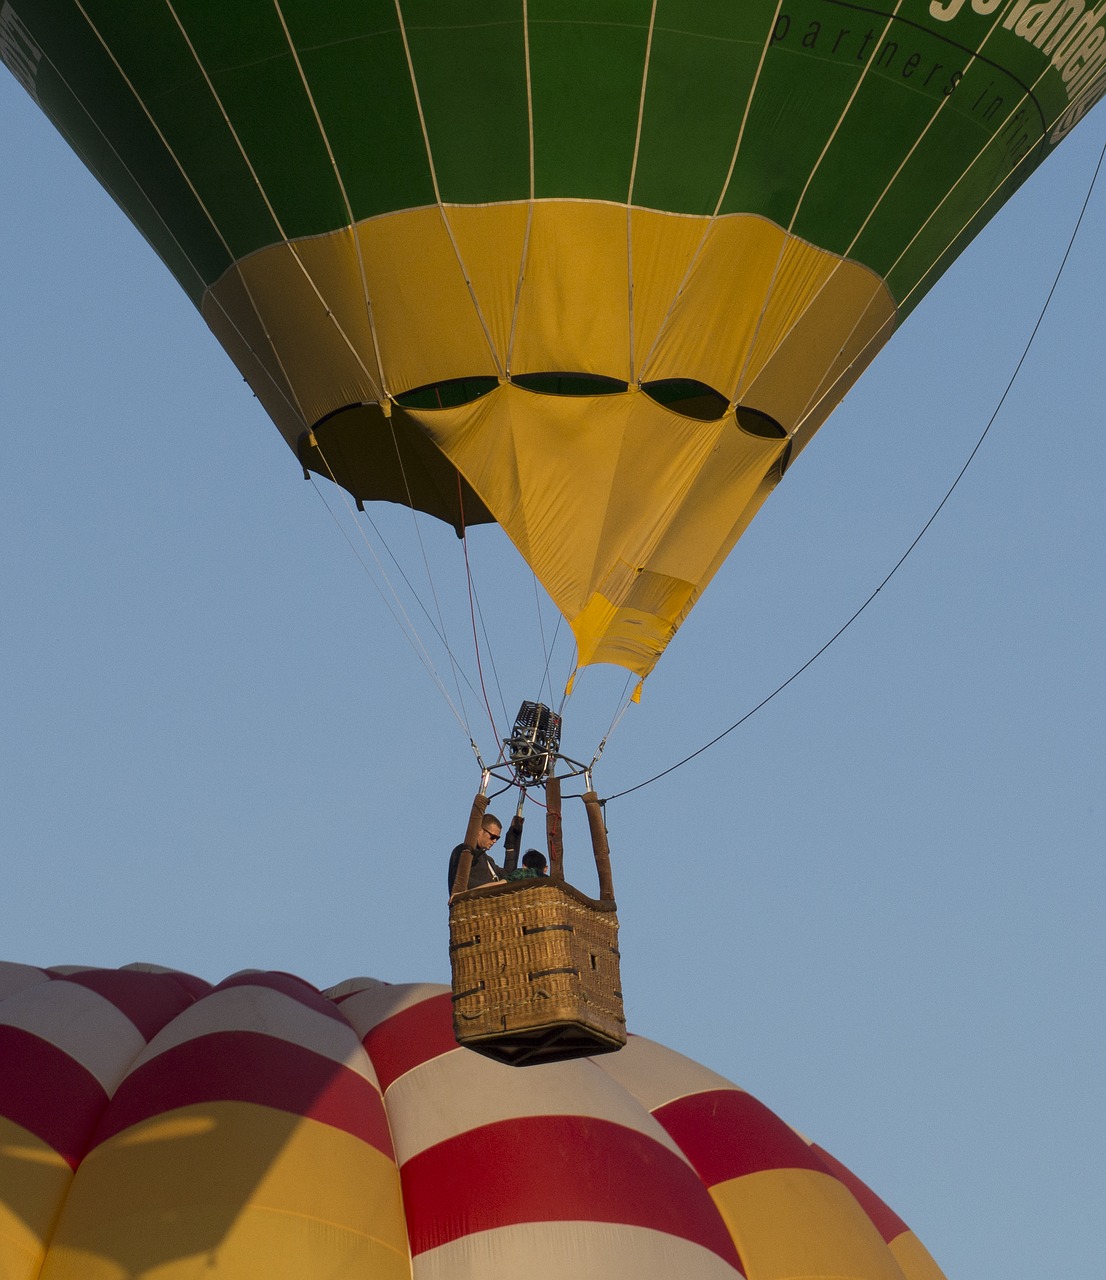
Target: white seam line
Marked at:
438, 195
735, 395
517, 307
815, 399
287, 244
630, 193
380, 390
694, 260
288, 395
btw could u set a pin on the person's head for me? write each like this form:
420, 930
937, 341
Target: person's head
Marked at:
535, 860
490, 830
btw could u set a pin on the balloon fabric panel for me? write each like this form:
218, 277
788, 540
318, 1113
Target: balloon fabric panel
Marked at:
390, 200
265, 1128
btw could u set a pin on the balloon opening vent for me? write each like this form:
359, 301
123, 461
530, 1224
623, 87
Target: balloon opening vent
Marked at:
447, 395
759, 424
570, 384
687, 397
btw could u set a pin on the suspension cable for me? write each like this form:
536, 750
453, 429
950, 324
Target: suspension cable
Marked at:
396, 609
472, 610
425, 558
921, 533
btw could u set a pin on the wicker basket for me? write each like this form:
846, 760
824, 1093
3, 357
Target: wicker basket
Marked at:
535, 972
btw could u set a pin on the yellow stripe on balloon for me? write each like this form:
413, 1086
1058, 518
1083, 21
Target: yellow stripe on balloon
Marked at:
34, 1180
232, 1189
799, 1222
914, 1258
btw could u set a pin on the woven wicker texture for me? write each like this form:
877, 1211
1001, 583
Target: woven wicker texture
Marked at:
535, 972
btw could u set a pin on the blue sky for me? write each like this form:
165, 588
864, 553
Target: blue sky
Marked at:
877, 905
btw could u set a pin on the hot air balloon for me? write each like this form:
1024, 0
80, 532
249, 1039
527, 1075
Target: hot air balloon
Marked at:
154, 1124
597, 273
594, 272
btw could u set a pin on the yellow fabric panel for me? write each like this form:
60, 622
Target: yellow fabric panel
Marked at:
914, 1259
663, 249
427, 324
796, 368
790, 1223
766, 319
800, 273
622, 508
491, 240
573, 311
714, 324
338, 360
312, 304
233, 319
34, 1180
232, 1191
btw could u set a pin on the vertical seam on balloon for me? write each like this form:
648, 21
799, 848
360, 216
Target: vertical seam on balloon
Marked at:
382, 390
693, 262
873, 344
268, 205
291, 247
110, 146
517, 307
379, 361
815, 400
812, 406
630, 193
288, 395
979, 155
438, 194
206, 295
790, 228
547, 652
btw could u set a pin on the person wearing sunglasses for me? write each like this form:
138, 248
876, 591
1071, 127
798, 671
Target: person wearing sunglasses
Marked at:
484, 870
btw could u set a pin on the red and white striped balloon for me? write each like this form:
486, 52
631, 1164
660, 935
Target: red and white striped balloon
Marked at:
154, 1126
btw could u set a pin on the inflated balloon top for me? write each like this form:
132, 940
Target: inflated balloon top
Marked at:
152, 1125
594, 269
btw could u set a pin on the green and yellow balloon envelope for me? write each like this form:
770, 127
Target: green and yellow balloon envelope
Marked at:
594, 269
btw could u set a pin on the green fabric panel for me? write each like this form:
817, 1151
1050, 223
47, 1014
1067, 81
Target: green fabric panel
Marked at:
796, 104
848, 184
472, 83
954, 171
356, 65
586, 62
170, 86
248, 60
691, 121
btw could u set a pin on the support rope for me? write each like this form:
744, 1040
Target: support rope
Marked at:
921, 533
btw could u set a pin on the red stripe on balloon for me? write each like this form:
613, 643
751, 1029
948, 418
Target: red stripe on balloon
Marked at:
245, 1066
48, 1093
411, 1037
149, 1000
588, 1170
726, 1133
886, 1221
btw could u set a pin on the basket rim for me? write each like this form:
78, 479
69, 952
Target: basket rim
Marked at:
530, 885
